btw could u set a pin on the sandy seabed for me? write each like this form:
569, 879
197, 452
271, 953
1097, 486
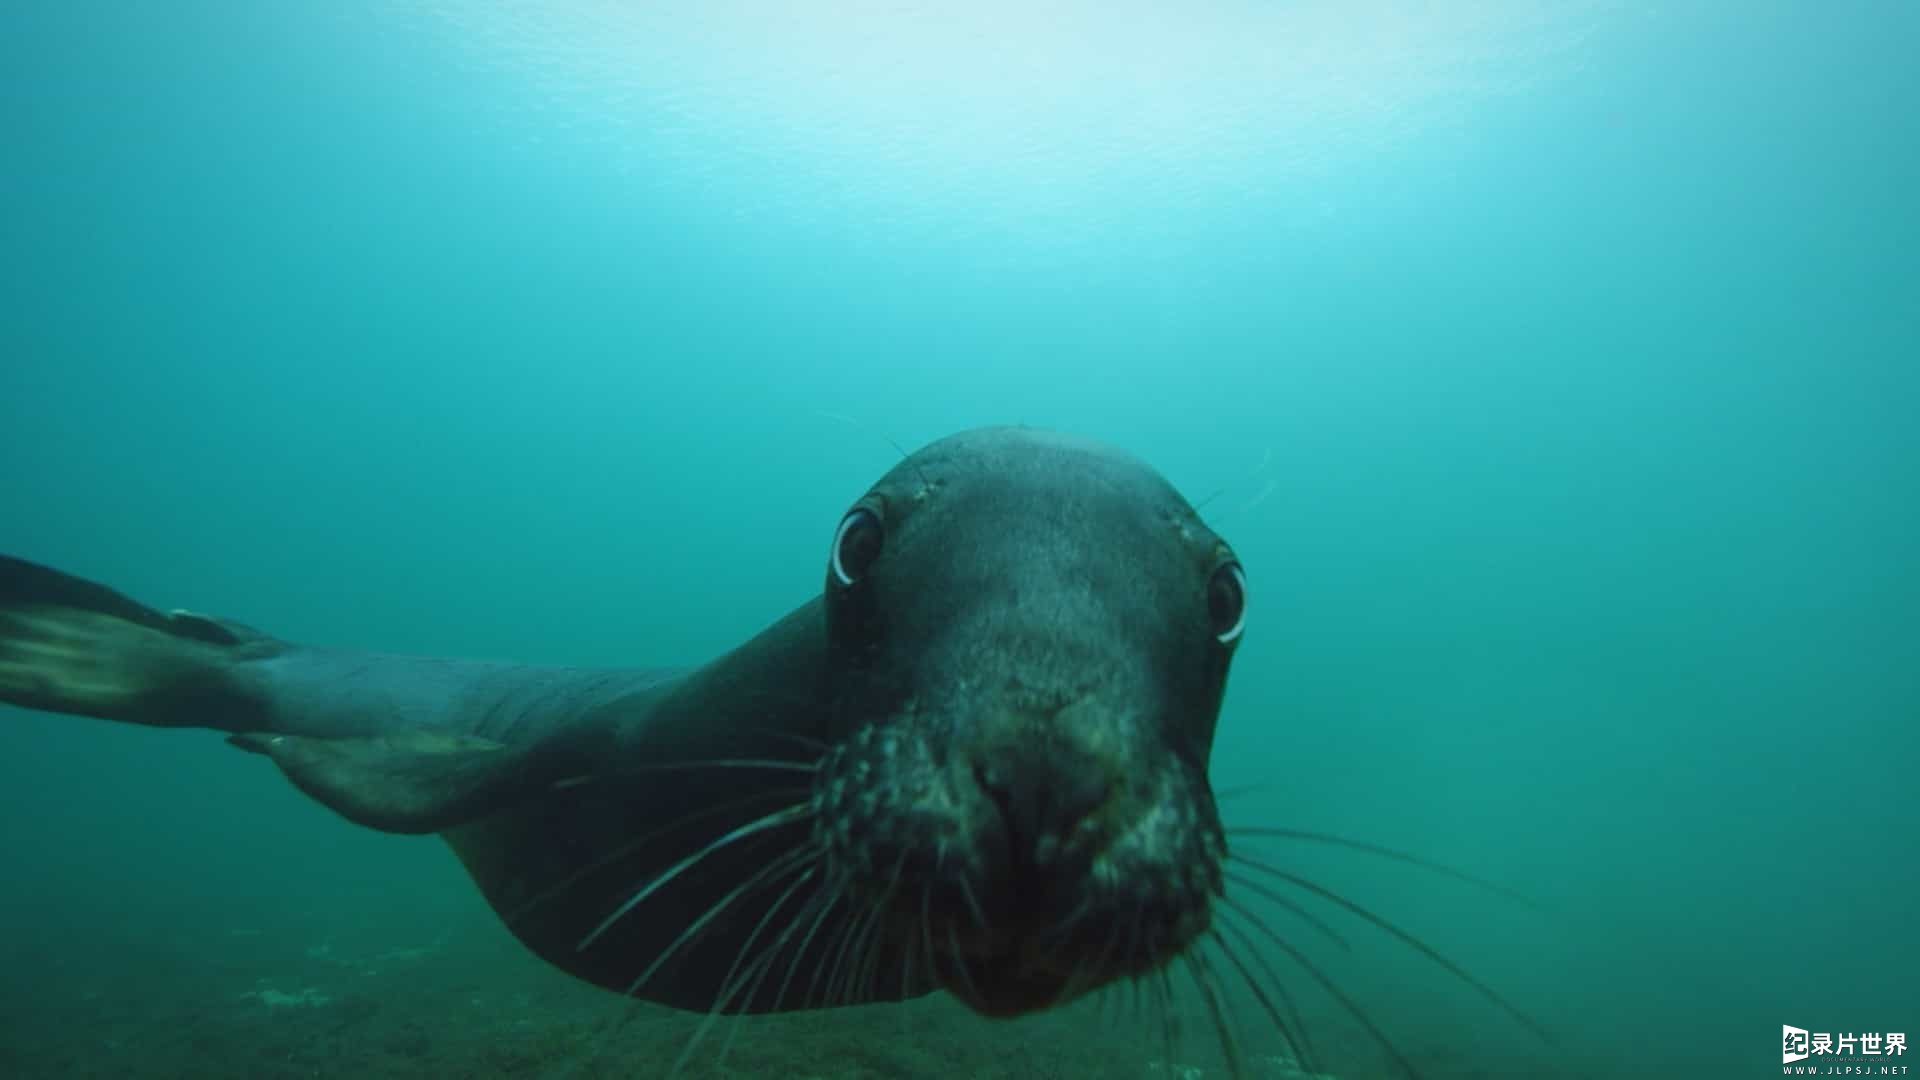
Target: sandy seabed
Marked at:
359, 1002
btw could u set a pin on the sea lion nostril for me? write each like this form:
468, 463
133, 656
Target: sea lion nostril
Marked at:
1040, 804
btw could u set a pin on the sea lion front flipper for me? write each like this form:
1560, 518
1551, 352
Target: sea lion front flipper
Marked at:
406, 782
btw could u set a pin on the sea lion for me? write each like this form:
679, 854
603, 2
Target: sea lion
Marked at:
976, 761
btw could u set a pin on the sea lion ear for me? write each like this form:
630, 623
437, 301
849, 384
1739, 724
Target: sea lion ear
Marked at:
409, 782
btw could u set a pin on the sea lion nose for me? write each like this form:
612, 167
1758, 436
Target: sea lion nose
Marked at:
1042, 798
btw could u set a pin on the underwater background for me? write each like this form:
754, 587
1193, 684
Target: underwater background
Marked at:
1553, 367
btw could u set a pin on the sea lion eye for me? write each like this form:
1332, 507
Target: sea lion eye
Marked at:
855, 545
1227, 602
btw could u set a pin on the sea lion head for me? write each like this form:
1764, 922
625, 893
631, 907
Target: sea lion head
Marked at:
1030, 637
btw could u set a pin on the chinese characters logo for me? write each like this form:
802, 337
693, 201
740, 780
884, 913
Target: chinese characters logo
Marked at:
1798, 1044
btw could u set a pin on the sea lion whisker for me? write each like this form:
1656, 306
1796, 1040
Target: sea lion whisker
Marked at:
793, 926
1169, 1023
1133, 980
1296, 1043
959, 958
808, 742
1064, 925
1333, 989
1083, 973
1237, 790
766, 964
1298, 1034
973, 902
1229, 909
626, 771
1266, 489
845, 932
1279, 901
825, 900
907, 955
733, 1029
1415, 943
905, 457
773, 870
1113, 942
872, 949
869, 962
788, 816
1440, 868
926, 929
1136, 1003
861, 956
848, 930
736, 979
868, 966
907, 950
1133, 936
558, 888
713, 763
1207, 982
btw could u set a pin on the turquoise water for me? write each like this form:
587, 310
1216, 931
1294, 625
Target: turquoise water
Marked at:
1556, 368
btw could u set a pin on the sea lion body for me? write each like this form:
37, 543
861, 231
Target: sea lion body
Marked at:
976, 761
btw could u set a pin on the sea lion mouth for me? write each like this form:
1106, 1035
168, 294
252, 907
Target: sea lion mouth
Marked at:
1016, 971
1027, 959
1021, 877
